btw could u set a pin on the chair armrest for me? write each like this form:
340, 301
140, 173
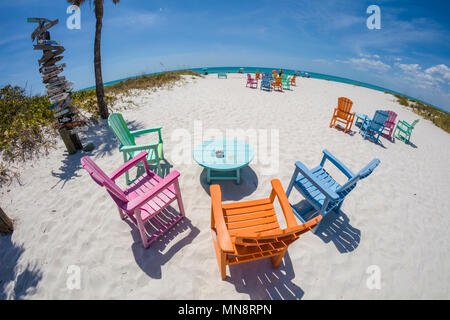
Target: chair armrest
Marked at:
145, 131
307, 174
277, 190
139, 147
128, 165
139, 201
405, 123
223, 235
338, 164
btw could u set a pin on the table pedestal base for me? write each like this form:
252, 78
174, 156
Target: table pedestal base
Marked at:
223, 175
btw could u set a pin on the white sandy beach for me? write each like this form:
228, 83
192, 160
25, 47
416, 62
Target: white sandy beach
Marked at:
397, 219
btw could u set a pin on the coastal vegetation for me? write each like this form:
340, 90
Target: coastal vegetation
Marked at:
440, 118
24, 122
86, 100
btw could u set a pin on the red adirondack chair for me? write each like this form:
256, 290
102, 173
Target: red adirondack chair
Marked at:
144, 199
389, 125
252, 82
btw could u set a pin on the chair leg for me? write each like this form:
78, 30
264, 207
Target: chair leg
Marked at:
127, 175
221, 259
291, 183
331, 122
140, 225
316, 229
179, 199
122, 215
276, 260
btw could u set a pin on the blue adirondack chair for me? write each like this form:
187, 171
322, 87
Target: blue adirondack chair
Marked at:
266, 82
319, 188
372, 128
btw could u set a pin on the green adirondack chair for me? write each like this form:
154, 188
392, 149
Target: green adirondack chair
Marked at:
128, 146
403, 130
285, 82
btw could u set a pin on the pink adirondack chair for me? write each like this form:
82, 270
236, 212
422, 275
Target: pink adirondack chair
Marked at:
389, 125
252, 82
143, 200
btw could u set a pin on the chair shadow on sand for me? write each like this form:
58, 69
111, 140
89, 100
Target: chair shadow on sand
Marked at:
152, 259
25, 279
261, 281
335, 228
230, 190
105, 143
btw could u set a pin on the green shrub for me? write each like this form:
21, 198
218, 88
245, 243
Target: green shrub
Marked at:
24, 124
440, 118
87, 101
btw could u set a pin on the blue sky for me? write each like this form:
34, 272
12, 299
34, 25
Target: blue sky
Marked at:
409, 54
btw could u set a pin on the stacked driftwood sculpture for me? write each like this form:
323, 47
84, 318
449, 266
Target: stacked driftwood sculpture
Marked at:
6, 224
58, 88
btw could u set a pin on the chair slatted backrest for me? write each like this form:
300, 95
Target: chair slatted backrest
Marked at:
378, 120
278, 81
392, 117
414, 123
103, 180
275, 239
347, 187
344, 107
120, 129
257, 75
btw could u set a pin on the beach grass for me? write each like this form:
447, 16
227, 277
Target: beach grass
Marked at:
153, 81
87, 100
440, 118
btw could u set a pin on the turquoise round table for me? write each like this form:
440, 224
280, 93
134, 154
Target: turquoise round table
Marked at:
223, 158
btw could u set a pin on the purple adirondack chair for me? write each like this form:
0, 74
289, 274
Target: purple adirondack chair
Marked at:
252, 82
146, 199
389, 125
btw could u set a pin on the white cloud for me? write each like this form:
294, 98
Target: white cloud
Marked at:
366, 64
440, 73
409, 68
369, 56
427, 78
320, 60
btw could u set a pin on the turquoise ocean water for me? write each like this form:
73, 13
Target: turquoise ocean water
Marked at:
299, 72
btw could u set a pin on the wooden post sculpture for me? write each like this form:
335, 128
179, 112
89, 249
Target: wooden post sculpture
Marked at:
58, 88
6, 224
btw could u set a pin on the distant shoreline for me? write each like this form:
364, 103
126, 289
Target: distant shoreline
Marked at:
313, 75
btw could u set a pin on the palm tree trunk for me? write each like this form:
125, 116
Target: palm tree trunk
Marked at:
102, 107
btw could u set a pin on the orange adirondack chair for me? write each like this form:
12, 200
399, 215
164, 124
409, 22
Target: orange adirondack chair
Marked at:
342, 114
277, 84
293, 80
249, 230
258, 75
